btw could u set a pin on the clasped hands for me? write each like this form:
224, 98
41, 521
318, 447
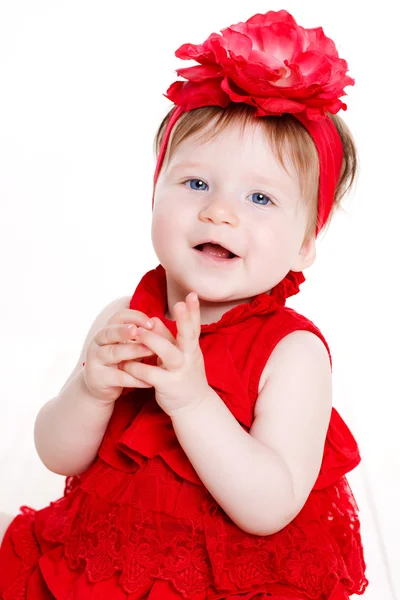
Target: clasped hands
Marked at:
179, 379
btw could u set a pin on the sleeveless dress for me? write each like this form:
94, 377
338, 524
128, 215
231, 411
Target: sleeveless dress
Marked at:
139, 523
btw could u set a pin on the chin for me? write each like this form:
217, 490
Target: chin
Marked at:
207, 291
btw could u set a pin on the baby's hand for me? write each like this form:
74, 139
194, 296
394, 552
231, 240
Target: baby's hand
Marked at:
179, 380
112, 348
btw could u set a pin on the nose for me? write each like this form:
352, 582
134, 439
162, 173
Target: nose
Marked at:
218, 210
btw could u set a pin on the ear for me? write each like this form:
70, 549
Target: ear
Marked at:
306, 255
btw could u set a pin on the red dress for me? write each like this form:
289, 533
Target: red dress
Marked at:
139, 523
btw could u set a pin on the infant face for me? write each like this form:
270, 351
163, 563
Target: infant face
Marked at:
231, 190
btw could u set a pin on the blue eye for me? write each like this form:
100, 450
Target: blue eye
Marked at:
261, 199
196, 184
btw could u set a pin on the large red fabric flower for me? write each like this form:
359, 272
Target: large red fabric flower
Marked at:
269, 62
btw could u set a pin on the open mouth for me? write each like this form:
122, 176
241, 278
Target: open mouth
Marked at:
215, 250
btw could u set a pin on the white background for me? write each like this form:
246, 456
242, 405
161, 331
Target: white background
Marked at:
81, 97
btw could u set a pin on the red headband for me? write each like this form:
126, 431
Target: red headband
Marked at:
278, 67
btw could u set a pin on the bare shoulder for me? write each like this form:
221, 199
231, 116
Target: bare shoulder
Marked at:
299, 355
298, 342
99, 322
293, 408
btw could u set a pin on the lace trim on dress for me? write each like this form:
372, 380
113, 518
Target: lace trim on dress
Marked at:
320, 549
27, 549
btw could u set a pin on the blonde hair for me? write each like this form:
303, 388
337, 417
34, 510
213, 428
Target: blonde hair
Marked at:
288, 137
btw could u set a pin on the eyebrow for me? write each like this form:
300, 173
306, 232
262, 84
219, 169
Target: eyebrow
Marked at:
187, 165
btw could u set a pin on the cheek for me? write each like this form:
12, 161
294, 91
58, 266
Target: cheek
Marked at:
272, 242
265, 236
160, 229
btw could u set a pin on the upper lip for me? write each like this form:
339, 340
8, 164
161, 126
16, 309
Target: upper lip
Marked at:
217, 243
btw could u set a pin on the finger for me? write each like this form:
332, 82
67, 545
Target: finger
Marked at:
181, 318
193, 303
162, 329
186, 319
168, 352
141, 372
116, 353
112, 334
128, 315
123, 379
128, 379
117, 332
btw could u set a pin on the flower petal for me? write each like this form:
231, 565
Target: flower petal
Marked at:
241, 43
319, 42
236, 95
200, 72
272, 17
278, 106
266, 60
240, 84
281, 40
192, 95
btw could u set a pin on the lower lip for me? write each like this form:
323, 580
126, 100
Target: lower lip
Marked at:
217, 259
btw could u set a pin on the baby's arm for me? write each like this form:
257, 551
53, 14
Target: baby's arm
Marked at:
69, 428
263, 478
